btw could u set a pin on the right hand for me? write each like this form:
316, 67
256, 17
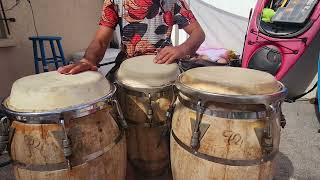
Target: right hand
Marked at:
81, 66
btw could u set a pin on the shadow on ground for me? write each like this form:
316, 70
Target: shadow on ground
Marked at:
6, 171
284, 169
316, 109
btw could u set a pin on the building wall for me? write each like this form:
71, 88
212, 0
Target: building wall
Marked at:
74, 20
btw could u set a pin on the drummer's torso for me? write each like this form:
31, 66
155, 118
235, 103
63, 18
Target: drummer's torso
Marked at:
147, 25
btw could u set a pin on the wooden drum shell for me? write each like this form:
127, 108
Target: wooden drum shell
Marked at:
235, 139
41, 145
148, 151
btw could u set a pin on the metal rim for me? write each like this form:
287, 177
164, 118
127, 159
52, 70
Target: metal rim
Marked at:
154, 95
233, 99
229, 115
75, 111
146, 90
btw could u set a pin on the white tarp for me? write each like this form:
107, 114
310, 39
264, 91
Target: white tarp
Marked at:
240, 8
224, 22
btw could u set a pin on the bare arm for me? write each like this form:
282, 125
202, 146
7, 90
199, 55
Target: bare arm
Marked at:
99, 44
93, 54
189, 47
196, 38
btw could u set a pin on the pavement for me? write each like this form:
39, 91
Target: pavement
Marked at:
300, 143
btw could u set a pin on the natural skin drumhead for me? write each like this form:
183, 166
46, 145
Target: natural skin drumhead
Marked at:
230, 81
52, 90
142, 72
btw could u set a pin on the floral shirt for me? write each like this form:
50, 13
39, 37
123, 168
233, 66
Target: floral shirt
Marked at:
146, 24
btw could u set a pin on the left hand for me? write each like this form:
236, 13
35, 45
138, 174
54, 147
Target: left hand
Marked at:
169, 54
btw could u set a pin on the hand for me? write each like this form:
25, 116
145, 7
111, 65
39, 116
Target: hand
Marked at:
82, 65
169, 54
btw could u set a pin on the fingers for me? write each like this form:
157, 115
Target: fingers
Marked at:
169, 54
66, 69
77, 68
171, 60
166, 58
94, 68
161, 54
81, 67
158, 50
166, 54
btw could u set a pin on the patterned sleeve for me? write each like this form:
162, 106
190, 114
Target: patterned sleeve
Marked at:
109, 17
183, 16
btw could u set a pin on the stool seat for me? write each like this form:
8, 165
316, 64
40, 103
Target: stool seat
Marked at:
55, 59
46, 38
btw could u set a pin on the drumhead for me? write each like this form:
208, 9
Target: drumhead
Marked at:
52, 90
230, 81
142, 72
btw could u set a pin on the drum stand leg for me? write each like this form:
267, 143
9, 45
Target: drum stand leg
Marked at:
283, 121
4, 133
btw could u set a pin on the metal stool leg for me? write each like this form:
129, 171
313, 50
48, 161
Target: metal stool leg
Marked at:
54, 54
61, 53
43, 56
35, 55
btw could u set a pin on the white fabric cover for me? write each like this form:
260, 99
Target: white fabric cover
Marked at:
142, 72
230, 80
52, 90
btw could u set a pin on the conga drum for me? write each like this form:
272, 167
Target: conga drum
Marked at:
226, 124
146, 94
64, 128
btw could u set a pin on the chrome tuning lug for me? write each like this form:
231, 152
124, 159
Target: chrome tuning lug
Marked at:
195, 138
122, 121
267, 137
4, 133
149, 109
66, 143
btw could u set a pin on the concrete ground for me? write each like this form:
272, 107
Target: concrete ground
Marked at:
300, 143
299, 157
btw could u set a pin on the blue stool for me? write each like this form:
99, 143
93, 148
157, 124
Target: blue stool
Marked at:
43, 58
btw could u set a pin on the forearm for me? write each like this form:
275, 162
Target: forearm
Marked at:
93, 54
99, 45
192, 44
95, 51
